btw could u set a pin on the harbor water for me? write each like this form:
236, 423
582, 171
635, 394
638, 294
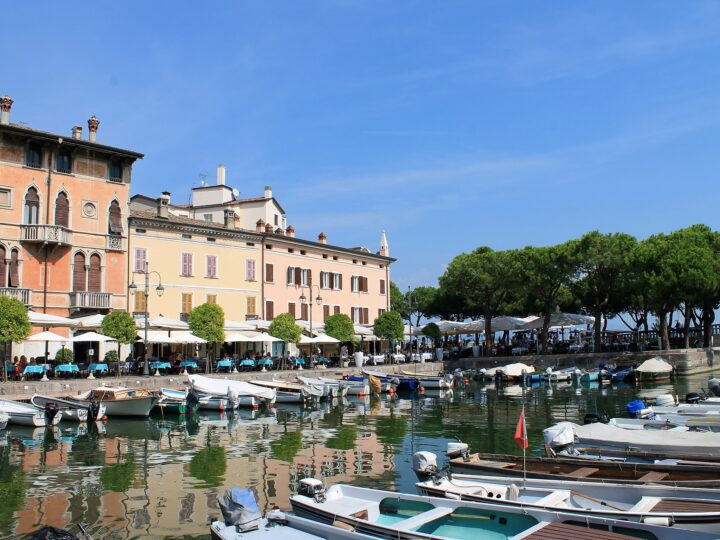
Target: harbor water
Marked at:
159, 478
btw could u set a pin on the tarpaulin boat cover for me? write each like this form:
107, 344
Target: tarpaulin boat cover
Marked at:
240, 509
224, 387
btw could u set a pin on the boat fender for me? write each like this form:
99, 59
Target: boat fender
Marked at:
513, 492
662, 521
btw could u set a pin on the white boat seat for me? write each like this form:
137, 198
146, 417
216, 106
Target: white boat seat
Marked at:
644, 505
423, 518
345, 506
554, 499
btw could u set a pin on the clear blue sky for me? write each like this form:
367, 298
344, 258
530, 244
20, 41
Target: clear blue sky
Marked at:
449, 124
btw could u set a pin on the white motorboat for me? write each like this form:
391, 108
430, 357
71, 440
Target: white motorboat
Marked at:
243, 393
432, 382
72, 410
557, 375
392, 515
288, 392
4, 418
25, 414
671, 422
334, 388
120, 401
690, 508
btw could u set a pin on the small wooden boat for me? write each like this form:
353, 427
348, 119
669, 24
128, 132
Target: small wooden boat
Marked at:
393, 380
691, 508
400, 516
120, 401
588, 470
173, 401
71, 409
668, 422
358, 386
558, 375
25, 414
330, 389
632, 456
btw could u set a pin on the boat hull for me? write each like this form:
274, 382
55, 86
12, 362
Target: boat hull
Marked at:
135, 407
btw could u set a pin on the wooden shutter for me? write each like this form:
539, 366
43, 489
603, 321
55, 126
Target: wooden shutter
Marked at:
115, 219
339, 281
366, 316
2, 267
331, 280
251, 305
62, 210
304, 312
309, 281
291, 308
140, 303
298, 276
269, 310
95, 277
211, 266
187, 264
326, 312
382, 286
14, 268
336, 310
269, 273
140, 259
79, 272
186, 302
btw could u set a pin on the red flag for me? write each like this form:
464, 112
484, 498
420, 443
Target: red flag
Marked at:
521, 437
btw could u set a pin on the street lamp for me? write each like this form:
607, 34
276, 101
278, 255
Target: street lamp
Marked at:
409, 307
159, 290
309, 300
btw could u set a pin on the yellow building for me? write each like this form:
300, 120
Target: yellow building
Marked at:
196, 261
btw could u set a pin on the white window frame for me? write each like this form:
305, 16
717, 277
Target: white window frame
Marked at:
208, 217
355, 284
336, 281
324, 280
291, 269
356, 315
304, 277
9, 191
207, 266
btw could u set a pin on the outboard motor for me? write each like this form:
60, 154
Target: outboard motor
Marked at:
665, 400
692, 398
240, 509
425, 465
51, 411
595, 418
714, 386
313, 488
457, 449
93, 410
634, 407
192, 398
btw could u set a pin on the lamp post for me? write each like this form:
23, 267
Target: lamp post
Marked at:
160, 290
309, 299
409, 307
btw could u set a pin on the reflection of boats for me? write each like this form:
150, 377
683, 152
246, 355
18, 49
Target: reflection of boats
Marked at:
34, 436
25, 414
71, 409
243, 393
393, 515
4, 418
120, 401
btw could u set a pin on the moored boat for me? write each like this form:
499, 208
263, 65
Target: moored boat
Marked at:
71, 409
437, 382
653, 370
288, 392
230, 394
25, 414
120, 401
4, 418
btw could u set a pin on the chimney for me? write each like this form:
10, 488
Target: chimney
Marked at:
280, 231
221, 175
93, 124
230, 219
268, 192
77, 132
260, 226
322, 238
163, 204
290, 231
269, 228
5, 106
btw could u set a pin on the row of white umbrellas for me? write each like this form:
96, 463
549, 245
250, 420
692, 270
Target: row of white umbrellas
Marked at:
504, 323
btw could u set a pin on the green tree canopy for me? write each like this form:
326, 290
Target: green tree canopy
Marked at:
120, 326
284, 327
389, 326
64, 356
419, 302
207, 321
432, 331
14, 325
341, 327
398, 302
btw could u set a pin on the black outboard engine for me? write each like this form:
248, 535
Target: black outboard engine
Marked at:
192, 398
595, 418
93, 410
693, 397
51, 411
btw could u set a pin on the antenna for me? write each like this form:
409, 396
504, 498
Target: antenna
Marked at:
203, 179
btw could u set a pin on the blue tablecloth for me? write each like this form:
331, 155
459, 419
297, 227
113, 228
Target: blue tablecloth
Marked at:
160, 365
321, 360
67, 368
189, 363
224, 363
247, 363
98, 367
33, 369
299, 361
265, 362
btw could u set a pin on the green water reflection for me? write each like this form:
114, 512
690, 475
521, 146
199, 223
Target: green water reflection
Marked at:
161, 477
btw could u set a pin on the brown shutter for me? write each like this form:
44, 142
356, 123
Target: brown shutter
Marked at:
298, 276
382, 286
269, 273
340, 281
269, 310
62, 210
331, 280
291, 308
326, 312
115, 219
79, 272
32, 206
336, 310
14, 268
304, 312
2, 267
95, 277
309, 277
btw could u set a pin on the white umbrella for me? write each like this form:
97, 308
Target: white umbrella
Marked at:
266, 338
48, 336
92, 336
45, 319
187, 337
237, 326
157, 336
305, 340
324, 338
239, 338
166, 323
90, 321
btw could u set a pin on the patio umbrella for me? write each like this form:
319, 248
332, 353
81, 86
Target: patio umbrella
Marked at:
239, 338
49, 336
45, 319
90, 321
91, 336
324, 338
187, 337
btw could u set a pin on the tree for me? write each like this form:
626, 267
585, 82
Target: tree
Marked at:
64, 356
285, 328
389, 326
207, 321
398, 302
341, 327
419, 303
603, 263
14, 325
120, 326
432, 331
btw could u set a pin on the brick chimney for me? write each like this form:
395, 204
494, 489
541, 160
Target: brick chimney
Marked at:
290, 231
77, 132
93, 124
163, 205
322, 238
230, 217
260, 226
269, 228
5, 106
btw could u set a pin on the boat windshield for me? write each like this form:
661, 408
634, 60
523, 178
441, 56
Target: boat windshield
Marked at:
392, 510
470, 524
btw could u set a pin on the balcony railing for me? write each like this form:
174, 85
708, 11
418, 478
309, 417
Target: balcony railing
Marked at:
114, 242
90, 300
46, 234
19, 294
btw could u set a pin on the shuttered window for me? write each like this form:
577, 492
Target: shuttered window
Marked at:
298, 275
365, 316
62, 210
3, 269
186, 302
355, 315
382, 286
140, 302
337, 282
251, 305
115, 219
269, 310
291, 275
380, 311
304, 312
211, 266
269, 273
79, 272
355, 284
291, 308
32, 206
336, 310
187, 265
140, 259
250, 270
95, 276
14, 268
326, 312
211, 298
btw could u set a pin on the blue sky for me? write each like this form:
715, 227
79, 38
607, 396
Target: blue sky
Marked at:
448, 124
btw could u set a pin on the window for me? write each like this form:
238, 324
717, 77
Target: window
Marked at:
211, 266
115, 218
382, 286
354, 261
360, 315
140, 231
3, 269
250, 270
381, 311
335, 258
211, 298
364, 263
356, 315
269, 277
251, 305
324, 280
291, 308
207, 217
140, 259
269, 246
291, 273
302, 252
326, 313
355, 283
324, 255
304, 312
269, 310
95, 274
5, 197
305, 277
336, 282
187, 266
186, 302
32, 206
140, 302
79, 272
63, 163
62, 210
249, 244
33, 156
14, 273
276, 220
210, 239
187, 236
291, 250
115, 172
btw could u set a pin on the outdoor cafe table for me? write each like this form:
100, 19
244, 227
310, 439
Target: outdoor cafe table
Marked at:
192, 364
299, 361
224, 364
378, 358
398, 358
321, 360
577, 347
247, 363
67, 368
520, 350
160, 365
265, 362
33, 369
98, 367
421, 357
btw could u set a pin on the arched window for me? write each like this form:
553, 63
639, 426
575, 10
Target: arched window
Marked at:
79, 272
95, 276
14, 277
62, 210
32, 206
3, 268
115, 219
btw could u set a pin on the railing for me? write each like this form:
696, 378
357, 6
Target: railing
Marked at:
114, 242
50, 234
19, 294
91, 300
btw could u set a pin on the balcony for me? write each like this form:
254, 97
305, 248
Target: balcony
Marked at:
114, 242
19, 294
90, 300
46, 234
